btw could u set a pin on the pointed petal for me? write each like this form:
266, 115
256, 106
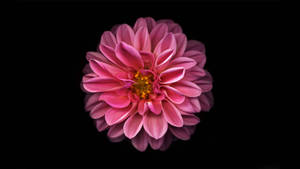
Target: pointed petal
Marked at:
155, 106
108, 39
125, 34
115, 131
129, 56
181, 42
157, 34
133, 125
101, 85
171, 114
107, 70
187, 88
155, 125
142, 40
140, 141
172, 75
99, 110
115, 116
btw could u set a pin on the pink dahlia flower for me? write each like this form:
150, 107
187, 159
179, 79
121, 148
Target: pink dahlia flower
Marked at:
146, 83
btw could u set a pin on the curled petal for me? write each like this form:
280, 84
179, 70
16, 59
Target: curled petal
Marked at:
101, 85
164, 58
172, 75
133, 125
96, 56
155, 106
129, 56
125, 34
115, 116
142, 107
155, 125
172, 114
106, 70
185, 62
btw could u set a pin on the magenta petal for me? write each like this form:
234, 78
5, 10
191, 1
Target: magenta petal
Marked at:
172, 75
181, 42
186, 106
140, 22
173, 95
98, 84
190, 120
156, 143
158, 33
172, 114
115, 131
155, 125
181, 133
142, 107
133, 125
115, 116
115, 100
129, 56
187, 88
96, 56
195, 45
142, 40
185, 62
108, 39
101, 124
155, 106
107, 70
148, 59
109, 53
164, 58
168, 42
125, 34
140, 141
99, 110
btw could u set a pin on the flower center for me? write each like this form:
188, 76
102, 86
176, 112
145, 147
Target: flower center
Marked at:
143, 85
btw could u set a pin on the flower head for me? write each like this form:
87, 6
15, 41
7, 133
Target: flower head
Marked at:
146, 83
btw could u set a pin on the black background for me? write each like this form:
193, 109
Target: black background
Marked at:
241, 41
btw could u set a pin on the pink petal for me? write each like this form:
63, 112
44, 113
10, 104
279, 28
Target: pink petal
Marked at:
115, 116
133, 125
196, 104
98, 84
140, 141
109, 53
172, 75
115, 131
195, 45
173, 95
142, 107
156, 144
205, 83
199, 57
99, 110
129, 56
148, 59
181, 42
108, 39
158, 33
190, 120
117, 139
181, 133
155, 125
206, 101
164, 58
186, 106
142, 40
96, 56
125, 34
168, 42
101, 124
140, 22
107, 70
115, 99
115, 28
171, 114
175, 28
155, 106
91, 101
168, 138
150, 23
185, 62
187, 88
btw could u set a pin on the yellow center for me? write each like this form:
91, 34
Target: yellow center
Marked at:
143, 85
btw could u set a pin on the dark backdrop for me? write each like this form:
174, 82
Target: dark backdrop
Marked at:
51, 41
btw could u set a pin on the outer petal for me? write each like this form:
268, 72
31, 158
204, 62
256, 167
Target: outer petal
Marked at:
116, 99
156, 144
168, 42
158, 33
172, 114
91, 101
185, 62
181, 42
142, 40
172, 75
108, 39
195, 45
190, 120
133, 125
173, 95
140, 142
187, 88
206, 101
115, 131
186, 106
99, 110
197, 56
150, 23
181, 133
155, 125
140, 22
101, 85
125, 34
115, 116
101, 124
155, 106
129, 56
